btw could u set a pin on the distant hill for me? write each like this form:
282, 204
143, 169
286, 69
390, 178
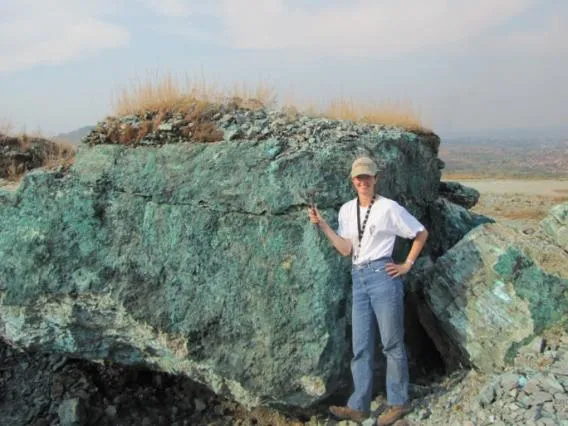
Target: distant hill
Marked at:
506, 156
75, 136
545, 133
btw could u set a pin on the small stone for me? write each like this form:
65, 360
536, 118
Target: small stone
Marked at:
559, 369
487, 395
227, 119
532, 386
550, 383
549, 407
199, 405
509, 381
424, 413
165, 127
231, 135
157, 379
110, 411
525, 401
522, 381
540, 397
70, 412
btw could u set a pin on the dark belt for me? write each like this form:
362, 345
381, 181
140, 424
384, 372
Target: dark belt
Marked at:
371, 262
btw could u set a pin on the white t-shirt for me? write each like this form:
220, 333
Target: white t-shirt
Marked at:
386, 220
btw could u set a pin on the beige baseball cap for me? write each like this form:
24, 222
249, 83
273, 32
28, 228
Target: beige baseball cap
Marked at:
364, 166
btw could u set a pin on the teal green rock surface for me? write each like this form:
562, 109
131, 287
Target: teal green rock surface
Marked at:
492, 293
448, 223
198, 259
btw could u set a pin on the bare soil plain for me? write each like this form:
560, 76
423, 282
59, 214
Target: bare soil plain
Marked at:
522, 203
520, 177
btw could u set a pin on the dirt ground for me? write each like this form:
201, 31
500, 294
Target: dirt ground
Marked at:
520, 203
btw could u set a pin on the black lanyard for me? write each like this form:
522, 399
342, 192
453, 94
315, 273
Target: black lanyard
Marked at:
359, 228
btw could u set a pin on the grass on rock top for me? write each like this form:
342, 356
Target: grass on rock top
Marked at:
21, 153
166, 94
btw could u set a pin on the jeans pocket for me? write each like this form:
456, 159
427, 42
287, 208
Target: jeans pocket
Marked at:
379, 269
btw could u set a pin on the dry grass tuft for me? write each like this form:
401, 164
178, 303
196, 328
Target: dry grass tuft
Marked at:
167, 94
61, 156
207, 132
388, 114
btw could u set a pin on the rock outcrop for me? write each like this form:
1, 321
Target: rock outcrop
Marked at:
197, 258
490, 297
21, 154
459, 194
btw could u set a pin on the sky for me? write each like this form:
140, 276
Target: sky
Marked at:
462, 65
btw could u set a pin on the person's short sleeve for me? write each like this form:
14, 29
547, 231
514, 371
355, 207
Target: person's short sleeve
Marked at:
405, 225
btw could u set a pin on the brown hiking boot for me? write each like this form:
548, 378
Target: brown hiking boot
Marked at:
347, 413
392, 414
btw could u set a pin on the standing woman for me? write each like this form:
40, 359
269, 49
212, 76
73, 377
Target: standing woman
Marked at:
368, 226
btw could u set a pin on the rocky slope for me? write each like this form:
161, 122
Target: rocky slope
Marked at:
160, 251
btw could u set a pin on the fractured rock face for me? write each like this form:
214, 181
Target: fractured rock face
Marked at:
490, 297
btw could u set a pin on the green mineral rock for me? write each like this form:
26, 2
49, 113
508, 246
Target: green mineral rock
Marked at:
198, 259
490, 296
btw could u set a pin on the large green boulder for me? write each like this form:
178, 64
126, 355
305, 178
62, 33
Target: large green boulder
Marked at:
493, 292
198, 259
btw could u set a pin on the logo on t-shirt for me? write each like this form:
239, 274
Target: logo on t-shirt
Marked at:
372, 229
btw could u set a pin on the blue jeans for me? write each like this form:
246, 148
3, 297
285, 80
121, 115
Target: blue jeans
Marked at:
377, 298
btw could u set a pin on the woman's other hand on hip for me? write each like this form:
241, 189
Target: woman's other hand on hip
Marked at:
397, 270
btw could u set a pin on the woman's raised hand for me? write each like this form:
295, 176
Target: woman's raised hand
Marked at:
314, 215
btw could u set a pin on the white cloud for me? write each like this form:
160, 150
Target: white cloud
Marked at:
51, 32
362, 27
170, 8
183, 8
55, 31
